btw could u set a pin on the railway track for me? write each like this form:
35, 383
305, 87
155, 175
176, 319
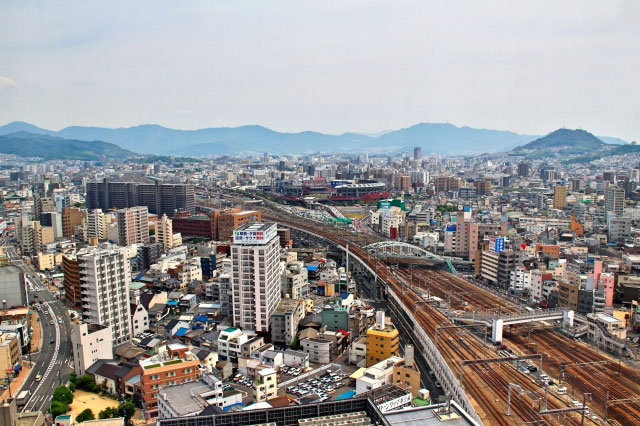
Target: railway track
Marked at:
559, 349
486, 386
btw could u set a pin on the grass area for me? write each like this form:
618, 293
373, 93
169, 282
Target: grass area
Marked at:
175, 361
147, 367
420, 402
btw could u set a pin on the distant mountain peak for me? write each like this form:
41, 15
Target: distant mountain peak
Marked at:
562, 141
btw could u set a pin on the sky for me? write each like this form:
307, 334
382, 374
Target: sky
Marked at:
329, 66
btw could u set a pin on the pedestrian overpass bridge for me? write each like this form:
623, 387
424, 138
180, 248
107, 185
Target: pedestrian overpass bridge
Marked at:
400, 250
498, 321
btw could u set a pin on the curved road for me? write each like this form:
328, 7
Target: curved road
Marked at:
54, 362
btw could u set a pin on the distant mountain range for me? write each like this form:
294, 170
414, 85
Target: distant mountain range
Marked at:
26, 144
440, 138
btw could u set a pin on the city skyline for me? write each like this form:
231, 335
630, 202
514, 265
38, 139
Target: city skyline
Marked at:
331, 68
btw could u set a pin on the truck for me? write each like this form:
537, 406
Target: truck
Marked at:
23, 397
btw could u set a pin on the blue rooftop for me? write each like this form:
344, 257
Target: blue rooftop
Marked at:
347, 395
181, 332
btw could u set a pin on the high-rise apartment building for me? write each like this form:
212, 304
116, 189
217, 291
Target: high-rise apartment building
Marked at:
614, 200
133, 226
559, 197
72, 217
96, 224
104, 274
483, 187
256, 275
41, 205
53, 220
32, 235
447, 183
466, 236
164, 232
159, 198
71, 279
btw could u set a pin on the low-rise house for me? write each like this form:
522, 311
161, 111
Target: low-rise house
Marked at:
319, 350
296, 359
139, 319
273, 359
377, 375
265, 385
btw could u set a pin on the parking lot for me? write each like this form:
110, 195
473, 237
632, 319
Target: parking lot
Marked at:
327, 386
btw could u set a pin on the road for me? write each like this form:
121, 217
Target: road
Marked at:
54, 362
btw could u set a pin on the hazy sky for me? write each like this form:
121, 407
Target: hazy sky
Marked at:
331, 66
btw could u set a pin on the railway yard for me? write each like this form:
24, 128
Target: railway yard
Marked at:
611, 388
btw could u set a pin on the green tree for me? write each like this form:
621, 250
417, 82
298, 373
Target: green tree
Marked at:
109, 413
86, 383
58, 408
127, 410
295, 343
85, 416
63, 394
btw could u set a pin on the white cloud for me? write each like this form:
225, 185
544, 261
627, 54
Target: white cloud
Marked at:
6, 82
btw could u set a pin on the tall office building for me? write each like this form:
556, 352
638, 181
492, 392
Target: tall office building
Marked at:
256, 275
133, 226
614, 200
559, 197
609, 176
104, 275
159, 198
523, 169
164, 232
417, 153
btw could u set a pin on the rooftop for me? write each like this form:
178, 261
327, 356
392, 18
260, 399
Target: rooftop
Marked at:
255, 226
181, 398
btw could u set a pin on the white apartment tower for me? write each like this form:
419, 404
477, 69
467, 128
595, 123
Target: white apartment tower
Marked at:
96, 226
255, 256
164, 232
105, 274
133, 225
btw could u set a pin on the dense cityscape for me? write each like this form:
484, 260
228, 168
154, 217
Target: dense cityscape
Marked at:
251, 289
302, 213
